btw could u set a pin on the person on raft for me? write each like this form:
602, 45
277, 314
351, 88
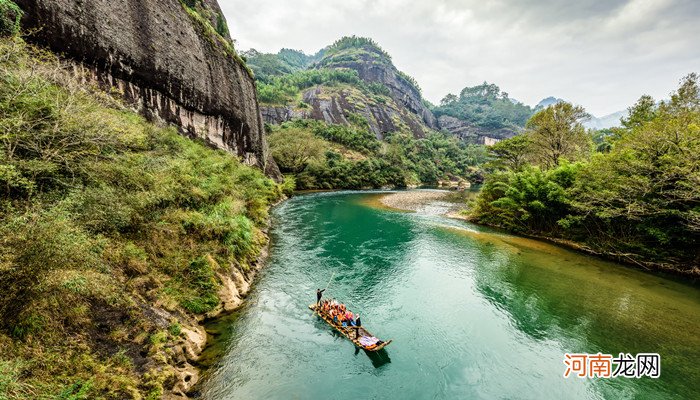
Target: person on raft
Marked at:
319, 294
357, 325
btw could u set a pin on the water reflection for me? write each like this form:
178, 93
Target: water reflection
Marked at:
588, 305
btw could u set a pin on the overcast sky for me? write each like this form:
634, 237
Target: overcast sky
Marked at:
599, 54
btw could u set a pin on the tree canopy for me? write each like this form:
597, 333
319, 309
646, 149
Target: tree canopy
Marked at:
486, 106
557, 133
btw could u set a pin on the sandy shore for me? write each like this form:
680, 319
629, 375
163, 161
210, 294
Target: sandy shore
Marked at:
412, 200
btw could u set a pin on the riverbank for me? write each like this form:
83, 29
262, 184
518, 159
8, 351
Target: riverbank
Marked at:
232, 294
109, 270
416, 201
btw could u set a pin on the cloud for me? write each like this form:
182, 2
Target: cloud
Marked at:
600, 54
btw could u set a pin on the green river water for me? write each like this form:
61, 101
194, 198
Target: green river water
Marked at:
474, 314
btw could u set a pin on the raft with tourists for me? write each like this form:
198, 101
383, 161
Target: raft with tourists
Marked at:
348, 324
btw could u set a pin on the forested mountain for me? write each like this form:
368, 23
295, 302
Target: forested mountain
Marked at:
387, 98
364, 122
482, 110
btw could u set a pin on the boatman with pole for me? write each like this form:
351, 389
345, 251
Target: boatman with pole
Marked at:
319, 294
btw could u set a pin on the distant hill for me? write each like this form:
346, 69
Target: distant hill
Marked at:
355, 77
481, 112
606, 122
547, 102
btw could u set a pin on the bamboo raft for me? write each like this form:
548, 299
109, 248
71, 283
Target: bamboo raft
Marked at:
349, 332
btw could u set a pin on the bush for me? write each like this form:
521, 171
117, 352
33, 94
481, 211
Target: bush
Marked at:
10, 16
221, 26
200, 275
528, 201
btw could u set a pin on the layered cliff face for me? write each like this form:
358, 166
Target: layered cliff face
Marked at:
343, 104
173, 62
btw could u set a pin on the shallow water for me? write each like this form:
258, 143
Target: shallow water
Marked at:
473, 313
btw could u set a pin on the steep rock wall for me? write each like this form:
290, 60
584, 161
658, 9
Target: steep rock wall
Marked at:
373, 67
337, 105
165, 60
401, 91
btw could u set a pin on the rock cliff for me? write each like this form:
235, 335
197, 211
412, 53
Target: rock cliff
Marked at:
342, 105
474, 134
171, 61
374, 67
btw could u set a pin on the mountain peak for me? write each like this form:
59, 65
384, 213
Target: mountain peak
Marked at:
546, 102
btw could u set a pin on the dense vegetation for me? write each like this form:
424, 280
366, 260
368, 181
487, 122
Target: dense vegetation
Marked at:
322, 156
286, 88
10, 15
103, 216
286, 61
485, 106
634, 195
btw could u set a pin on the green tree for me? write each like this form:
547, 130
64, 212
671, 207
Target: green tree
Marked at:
511, 153
556, 133
641, 112
294, 148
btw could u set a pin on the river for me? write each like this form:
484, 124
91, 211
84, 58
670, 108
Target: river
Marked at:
474, 314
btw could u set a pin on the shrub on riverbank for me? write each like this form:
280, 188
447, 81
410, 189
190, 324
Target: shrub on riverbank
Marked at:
104, 216
638, 201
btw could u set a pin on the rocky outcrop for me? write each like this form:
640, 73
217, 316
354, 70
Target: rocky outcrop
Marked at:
343, 106
278, 114
471, 133
166, 60
373, 67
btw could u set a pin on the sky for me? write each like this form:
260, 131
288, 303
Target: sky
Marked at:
602, 55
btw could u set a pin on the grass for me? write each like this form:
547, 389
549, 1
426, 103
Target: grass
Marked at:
104, 218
